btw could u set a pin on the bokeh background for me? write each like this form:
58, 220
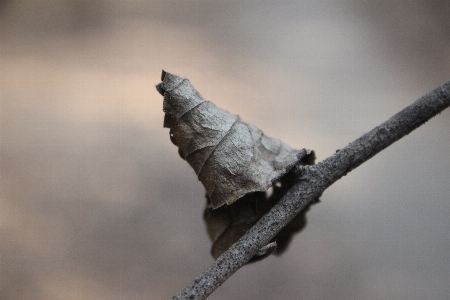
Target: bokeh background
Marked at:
97, 204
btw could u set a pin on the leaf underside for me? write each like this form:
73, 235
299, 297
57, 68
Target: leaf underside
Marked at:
230, 157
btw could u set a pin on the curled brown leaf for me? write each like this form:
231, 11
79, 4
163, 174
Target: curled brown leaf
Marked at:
230, 157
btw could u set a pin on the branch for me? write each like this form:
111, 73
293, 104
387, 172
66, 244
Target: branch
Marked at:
311, 182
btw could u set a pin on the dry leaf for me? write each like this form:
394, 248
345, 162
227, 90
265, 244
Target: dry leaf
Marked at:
230, 157
226, 224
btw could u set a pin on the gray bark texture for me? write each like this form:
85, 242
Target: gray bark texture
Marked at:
311, 182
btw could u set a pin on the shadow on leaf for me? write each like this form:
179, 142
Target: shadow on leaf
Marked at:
226, 224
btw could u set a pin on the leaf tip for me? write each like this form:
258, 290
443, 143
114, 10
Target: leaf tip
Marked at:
159, 87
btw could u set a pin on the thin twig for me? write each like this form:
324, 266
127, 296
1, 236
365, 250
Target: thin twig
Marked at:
312, 181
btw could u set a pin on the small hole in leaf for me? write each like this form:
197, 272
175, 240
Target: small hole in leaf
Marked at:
269, 192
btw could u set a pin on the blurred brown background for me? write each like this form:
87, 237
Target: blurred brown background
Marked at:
97, 204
